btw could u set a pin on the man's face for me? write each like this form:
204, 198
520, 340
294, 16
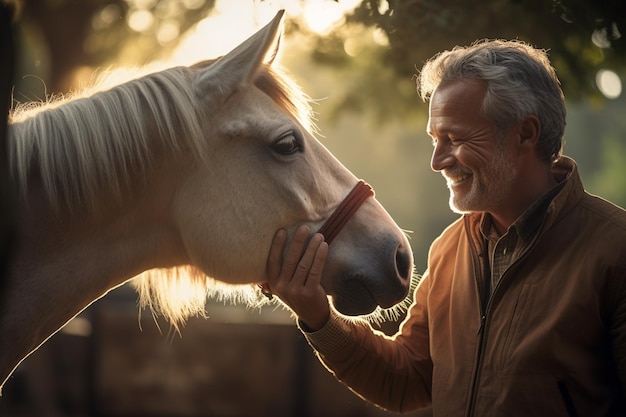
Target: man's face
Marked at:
473, 159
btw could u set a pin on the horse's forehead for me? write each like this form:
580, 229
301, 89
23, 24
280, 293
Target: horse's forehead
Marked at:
249, 111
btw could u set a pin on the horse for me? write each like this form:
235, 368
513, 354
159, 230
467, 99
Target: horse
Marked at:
178, 180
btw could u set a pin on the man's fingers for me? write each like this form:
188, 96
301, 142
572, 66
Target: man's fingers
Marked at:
307, 260
315, 273
294, 253
275, 258
296, 279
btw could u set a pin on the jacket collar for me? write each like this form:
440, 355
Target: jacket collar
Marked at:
565, 171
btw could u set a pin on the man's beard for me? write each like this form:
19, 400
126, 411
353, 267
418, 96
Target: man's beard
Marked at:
489, 187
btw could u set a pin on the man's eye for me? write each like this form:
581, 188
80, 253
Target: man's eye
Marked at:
287, 144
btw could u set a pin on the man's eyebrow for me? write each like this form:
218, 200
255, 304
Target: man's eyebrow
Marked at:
451, 129
431, 132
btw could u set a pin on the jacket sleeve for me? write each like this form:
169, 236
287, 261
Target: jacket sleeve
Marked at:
392, 372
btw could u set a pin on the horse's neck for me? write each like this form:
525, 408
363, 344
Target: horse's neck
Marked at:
62, 263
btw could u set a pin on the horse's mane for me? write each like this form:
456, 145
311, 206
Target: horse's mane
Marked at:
98, 139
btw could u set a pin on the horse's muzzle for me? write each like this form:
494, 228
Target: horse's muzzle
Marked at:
383, 283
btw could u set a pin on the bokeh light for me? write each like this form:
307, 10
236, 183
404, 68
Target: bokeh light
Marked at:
609, 83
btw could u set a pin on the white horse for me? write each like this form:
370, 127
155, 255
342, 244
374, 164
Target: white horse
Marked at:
191, 167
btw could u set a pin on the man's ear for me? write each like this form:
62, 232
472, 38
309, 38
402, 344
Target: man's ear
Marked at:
529, 130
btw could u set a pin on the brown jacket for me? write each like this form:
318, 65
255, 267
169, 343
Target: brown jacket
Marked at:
551, 341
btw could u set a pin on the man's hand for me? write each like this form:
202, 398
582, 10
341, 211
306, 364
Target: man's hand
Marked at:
296, 280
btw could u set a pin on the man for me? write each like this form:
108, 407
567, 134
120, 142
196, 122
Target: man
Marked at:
522, 310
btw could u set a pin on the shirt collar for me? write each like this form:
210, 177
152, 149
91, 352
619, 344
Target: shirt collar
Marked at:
527, 224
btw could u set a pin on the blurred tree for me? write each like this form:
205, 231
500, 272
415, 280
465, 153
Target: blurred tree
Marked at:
63, 25
93, 33
582, 37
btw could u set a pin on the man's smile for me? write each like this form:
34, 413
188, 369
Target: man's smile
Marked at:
456, 177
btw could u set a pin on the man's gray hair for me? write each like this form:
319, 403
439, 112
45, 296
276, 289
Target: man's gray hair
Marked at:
520, 82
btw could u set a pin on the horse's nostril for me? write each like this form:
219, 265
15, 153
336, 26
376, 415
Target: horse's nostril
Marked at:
403, 263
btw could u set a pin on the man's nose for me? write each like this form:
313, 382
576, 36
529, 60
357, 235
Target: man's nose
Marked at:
442, 156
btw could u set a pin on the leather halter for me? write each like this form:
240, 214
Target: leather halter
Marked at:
344, 212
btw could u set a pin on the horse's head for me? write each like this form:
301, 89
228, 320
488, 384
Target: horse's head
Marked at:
264, 170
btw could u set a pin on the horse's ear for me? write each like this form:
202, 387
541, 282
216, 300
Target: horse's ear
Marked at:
237, 67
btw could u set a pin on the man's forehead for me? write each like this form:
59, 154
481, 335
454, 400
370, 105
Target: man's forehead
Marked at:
458, 91
454, 105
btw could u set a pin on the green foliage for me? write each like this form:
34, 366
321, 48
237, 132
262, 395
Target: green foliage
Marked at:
582, 36
610, 180
368, 81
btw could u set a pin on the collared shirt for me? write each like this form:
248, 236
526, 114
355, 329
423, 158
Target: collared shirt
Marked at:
506, 249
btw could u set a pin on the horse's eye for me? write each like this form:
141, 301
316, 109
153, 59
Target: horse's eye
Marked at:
287, 144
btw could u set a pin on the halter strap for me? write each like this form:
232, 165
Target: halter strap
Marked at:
344, 212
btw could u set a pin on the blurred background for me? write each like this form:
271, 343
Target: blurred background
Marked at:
357, 59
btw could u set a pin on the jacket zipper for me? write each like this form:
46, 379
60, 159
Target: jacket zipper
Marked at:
485, 302
479, 356
567, 399
482, 299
